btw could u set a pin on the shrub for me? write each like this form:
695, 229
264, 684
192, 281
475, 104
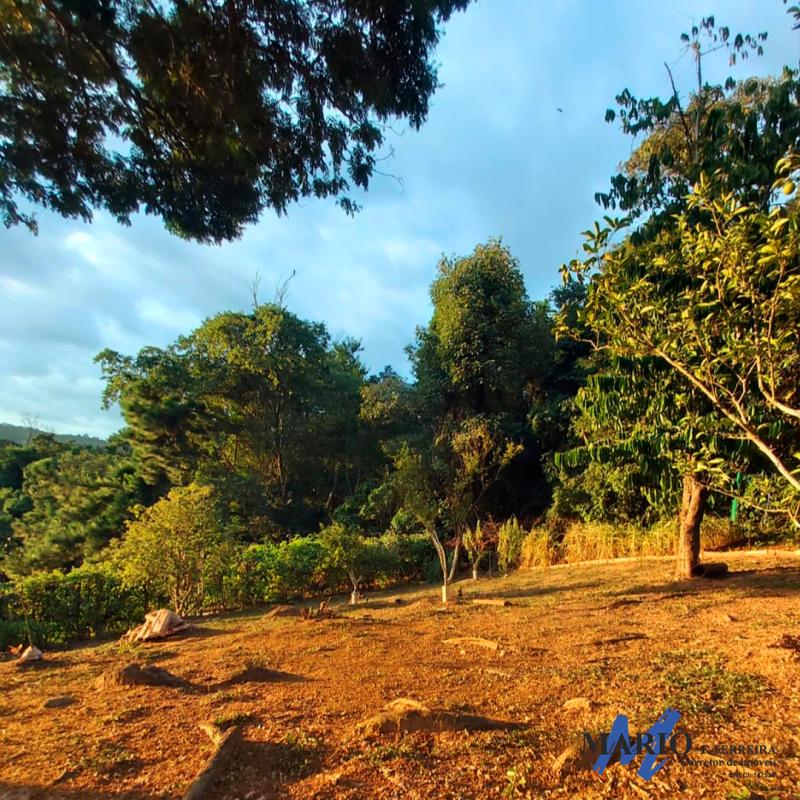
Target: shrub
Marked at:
602, 492
478, 542
590, 541
175, 549
296, 568
58, 607
510, 537
410, 557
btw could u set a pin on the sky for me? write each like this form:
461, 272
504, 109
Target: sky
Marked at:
496, 158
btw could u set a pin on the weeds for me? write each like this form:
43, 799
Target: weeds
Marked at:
301, 749
696, 682
515, 785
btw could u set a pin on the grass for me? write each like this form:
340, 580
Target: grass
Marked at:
600, 541
301, 749
696, 682
108, 759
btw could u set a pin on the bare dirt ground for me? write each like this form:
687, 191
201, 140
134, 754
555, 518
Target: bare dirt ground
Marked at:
616, 638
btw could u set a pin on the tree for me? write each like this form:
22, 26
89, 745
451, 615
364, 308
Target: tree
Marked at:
636, 405
440, 483
261, 405
465, 417
485, 339
477, 543
725, 333
72, 503
204, 113
348, 551
175, 548
734, 131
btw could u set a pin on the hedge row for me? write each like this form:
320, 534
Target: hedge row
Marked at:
270, 572
55, 608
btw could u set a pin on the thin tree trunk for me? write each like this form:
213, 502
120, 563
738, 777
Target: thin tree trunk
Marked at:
693, 505
442, 553
454, 564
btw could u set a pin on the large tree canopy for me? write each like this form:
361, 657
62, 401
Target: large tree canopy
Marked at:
204, 113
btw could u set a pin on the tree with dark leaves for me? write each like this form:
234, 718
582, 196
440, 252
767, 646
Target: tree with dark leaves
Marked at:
204, 112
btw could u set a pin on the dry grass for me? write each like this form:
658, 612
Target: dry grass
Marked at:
622, 635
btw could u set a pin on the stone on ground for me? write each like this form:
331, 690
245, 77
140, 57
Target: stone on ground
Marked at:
59, 702
473, 641
254, 673
578, 704
157, 625
284, 611
29, 654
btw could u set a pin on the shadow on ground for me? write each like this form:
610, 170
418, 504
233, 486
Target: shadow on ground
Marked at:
773, 582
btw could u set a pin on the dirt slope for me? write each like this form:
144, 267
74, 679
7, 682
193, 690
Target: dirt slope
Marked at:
612, 638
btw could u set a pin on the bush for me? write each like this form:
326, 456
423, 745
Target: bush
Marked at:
297, 568
510, 537
88, 601
602, 492
410, 557
176, 549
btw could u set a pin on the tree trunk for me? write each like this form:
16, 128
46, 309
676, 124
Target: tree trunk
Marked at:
693, 505
442, 553
454, 564
474, 572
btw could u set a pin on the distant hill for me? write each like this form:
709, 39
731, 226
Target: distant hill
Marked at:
21, 434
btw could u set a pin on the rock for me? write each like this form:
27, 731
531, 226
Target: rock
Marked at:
59, 702
578, 704
135, 675
406, 715
225, 745
30, 654
157, 625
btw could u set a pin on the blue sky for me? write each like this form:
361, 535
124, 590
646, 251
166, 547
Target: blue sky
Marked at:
496, 158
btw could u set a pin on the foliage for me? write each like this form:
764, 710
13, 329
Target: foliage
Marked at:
262, 406
735, 131
350, 553
510, 538
175, 549
57, 608
204, 114
657, 397
305, 565
478, 541
613, 492
734, 383
485, 338
539, 549
73, 503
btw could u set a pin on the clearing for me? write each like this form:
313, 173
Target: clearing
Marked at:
619, 637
